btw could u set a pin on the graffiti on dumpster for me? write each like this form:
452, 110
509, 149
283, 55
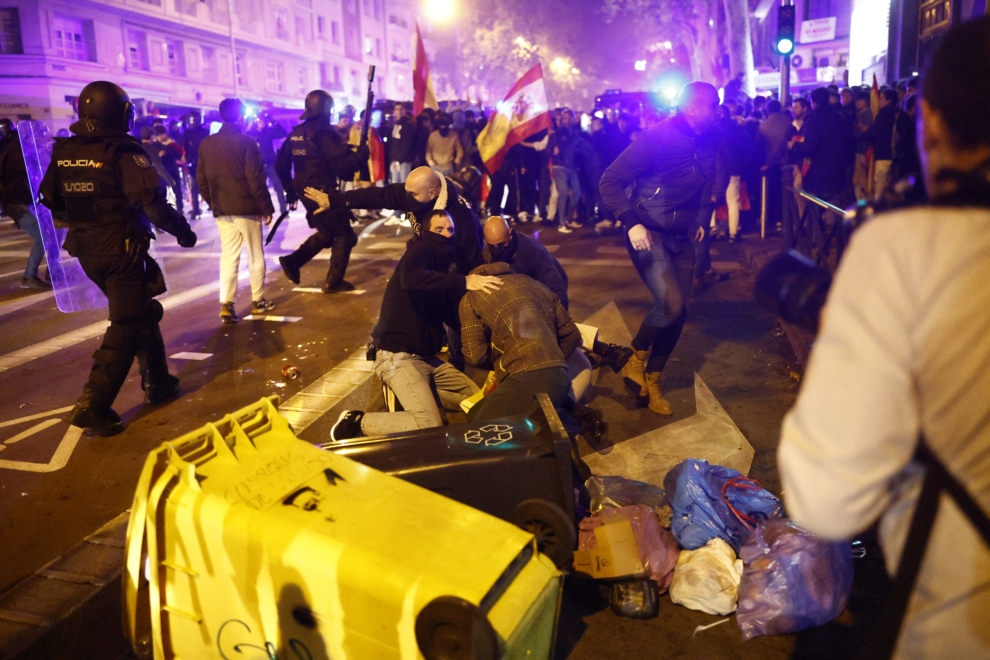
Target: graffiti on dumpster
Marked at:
491, 435
298, 649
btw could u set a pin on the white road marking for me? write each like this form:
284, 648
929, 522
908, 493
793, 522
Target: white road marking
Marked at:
325, 392
59, 459
31, 431
93, 330
552, 248
14, 272
187, 355
270, 317
26, 301
610, 249
316, 289
29, 418
572, 261
387, 245
15, 253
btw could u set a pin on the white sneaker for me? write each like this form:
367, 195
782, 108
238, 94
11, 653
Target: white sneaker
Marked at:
565, 230
394, 221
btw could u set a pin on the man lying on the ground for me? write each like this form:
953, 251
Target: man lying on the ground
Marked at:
423, 192
420, 297
524, 332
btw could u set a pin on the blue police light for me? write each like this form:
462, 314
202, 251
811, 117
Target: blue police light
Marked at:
785, 46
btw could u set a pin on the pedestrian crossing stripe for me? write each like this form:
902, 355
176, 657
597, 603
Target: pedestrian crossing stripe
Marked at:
316, 289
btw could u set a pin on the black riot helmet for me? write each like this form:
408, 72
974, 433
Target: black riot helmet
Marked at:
6, 127
318, 103
107, 103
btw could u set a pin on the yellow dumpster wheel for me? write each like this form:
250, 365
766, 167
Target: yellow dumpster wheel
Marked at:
552, 527
451, 628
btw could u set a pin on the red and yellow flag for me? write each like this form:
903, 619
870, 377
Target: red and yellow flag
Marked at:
423, 94
523, 112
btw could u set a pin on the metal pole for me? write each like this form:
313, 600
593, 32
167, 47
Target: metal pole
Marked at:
785, 70
233, 49
763, 209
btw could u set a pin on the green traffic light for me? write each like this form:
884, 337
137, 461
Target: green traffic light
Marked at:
785, 46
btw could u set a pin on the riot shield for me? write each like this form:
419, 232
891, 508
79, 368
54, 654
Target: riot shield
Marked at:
74, 292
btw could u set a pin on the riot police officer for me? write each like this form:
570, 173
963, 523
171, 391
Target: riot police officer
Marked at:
103, 185
315, 156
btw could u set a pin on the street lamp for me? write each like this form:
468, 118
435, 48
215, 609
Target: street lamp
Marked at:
439, 11
641, 65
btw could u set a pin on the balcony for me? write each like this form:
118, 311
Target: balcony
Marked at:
399, 60
395, 20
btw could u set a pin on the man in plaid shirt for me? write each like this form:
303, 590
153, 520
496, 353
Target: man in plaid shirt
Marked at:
523, 331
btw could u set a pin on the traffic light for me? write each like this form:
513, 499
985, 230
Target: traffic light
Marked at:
784, 44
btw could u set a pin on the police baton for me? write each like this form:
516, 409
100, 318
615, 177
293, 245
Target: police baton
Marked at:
271, 234
367, 108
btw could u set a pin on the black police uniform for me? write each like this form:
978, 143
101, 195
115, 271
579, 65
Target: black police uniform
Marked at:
315, 156
103, 185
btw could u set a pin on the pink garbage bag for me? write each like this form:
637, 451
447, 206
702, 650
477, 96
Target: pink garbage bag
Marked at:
657, 548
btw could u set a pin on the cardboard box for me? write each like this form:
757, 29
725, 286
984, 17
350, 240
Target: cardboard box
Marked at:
617, 555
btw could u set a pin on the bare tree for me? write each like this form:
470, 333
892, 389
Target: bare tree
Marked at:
740, 43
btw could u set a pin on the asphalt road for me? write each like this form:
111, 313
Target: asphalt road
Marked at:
728, 341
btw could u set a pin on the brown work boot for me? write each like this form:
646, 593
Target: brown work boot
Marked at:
658, 404
635, 368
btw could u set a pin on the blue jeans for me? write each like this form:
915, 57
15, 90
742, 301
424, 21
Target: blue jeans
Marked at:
666, 269
29, 224
568, 186
399, 172
418, 383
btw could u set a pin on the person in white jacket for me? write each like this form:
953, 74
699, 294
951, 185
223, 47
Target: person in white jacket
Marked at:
903, 352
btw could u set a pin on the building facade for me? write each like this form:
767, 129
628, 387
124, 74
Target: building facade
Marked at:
175, 55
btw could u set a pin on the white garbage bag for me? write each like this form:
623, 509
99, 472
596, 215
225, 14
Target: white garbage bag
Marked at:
707, 579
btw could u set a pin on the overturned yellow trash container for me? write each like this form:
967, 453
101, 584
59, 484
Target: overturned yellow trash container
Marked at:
246, 542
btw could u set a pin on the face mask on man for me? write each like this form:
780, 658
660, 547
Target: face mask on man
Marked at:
442, 244
444, 130
503, 252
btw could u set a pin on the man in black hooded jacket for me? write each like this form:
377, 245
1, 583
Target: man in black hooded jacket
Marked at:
420, 298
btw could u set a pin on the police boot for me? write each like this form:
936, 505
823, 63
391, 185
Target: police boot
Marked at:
302, 256
158, 384
593, 426
335, 283
104, 422
658, 404
339, 258
635, 368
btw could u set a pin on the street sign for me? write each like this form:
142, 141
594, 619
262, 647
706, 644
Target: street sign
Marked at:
819, 29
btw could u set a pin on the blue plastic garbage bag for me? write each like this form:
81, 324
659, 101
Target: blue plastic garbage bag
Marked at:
711, 501
791, 580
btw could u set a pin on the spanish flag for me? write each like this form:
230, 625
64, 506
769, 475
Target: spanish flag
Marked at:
423, 94
522, 113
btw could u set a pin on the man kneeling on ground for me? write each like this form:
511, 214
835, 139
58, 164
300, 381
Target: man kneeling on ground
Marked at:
420, 297
523, 330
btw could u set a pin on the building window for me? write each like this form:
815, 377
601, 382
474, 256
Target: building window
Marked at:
174, 59
137, 50
308, 4
301, 31
378, 48
281, 24
10, 32
209, 63
336, 79
301, 80
355, 85
378, 9
367, 7
321, 28
367, 45
335, 32
240, 68
70, 39
156, 3
275, 76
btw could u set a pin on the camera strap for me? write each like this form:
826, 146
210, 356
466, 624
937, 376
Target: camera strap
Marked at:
937, 480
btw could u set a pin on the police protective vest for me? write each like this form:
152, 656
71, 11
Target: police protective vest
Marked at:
88, 180
310, 166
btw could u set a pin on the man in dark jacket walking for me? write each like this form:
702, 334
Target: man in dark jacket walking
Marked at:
231, 177
675, 174
15, 202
